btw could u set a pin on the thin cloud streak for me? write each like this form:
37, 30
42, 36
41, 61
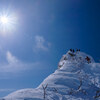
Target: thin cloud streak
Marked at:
15, 66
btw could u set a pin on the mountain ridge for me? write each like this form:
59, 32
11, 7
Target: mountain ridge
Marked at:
77, 78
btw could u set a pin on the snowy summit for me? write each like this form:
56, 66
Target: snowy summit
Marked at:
76, 78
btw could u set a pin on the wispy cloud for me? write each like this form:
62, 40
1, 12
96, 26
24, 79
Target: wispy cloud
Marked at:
10, 58
41, 44
14, 65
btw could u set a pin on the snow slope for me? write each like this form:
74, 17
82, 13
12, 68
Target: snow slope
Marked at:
77, 78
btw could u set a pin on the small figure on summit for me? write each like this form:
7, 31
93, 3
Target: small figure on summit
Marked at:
71, 50
77, 49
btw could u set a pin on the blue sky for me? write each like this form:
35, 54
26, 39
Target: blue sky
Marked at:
43, 32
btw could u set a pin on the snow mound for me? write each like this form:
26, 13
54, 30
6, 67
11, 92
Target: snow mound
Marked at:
75, 57
77, 78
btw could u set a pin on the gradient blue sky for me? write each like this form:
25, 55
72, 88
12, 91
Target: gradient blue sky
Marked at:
45, 30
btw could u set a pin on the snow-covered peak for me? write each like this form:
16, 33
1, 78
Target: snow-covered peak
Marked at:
71, 66
76, 75
75, 57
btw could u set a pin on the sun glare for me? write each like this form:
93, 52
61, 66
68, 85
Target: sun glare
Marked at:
8, 23
4, 20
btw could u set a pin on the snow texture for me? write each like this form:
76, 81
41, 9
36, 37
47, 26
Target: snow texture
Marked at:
77, 78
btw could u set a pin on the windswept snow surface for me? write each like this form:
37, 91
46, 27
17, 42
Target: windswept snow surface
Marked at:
77, 78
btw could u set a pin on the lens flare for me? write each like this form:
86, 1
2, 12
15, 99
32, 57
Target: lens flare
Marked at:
7, 23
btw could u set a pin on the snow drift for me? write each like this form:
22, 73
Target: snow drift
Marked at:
77, 78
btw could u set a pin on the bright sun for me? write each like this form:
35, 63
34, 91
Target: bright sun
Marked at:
4, 19
8, 23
